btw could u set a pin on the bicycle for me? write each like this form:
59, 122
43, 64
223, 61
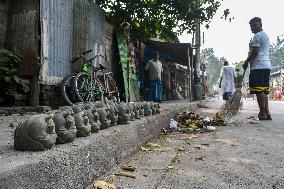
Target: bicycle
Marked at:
93, 84
67, 86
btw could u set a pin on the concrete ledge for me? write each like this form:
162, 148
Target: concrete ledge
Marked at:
78, 164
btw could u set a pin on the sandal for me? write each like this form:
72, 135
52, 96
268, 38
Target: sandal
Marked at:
262, 117
269, 117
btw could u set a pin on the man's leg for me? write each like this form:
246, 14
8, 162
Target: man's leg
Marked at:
260, 97
266, 106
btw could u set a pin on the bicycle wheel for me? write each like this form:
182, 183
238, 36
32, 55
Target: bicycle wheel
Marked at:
85, 90
112, 87
67, 89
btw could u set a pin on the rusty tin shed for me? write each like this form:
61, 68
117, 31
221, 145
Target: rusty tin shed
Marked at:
50, 33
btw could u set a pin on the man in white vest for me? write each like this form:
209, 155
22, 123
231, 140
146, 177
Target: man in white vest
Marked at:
260, 66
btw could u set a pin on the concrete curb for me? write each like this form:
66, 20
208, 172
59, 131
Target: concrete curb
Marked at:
79, 163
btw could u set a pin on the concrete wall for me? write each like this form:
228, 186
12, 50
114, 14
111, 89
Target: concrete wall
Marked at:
78, 164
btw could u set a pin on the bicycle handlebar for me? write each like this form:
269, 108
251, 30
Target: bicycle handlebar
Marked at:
95, 58
82, 55
86, 52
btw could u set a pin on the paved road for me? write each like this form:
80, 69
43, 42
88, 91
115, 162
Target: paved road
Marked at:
237, 156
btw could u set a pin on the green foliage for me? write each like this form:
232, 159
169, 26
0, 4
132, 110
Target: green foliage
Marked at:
9, 61
9, 81
164, 18
277, 52
213, 65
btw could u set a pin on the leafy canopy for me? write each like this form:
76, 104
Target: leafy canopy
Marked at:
213, 65
277, 52
164, 18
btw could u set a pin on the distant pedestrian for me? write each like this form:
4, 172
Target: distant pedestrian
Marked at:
155, 69
277, 95
260, 66
227, 78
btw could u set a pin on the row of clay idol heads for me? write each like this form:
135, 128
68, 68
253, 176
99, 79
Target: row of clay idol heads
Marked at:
61, 126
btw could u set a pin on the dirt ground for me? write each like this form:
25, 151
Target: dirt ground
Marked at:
237, 156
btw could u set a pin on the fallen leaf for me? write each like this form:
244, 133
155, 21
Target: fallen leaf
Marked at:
125, 174
197, 147
205, 144
189, 137
153, 145
168, 140
103, 185
128, 168
145, 149
163, 149
194, 136
199, 158
165, 131
181, 149
169, 167
109, 179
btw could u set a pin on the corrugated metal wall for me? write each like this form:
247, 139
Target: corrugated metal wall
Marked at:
68, 28
57, 16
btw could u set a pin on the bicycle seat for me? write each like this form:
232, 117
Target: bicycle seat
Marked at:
100, 68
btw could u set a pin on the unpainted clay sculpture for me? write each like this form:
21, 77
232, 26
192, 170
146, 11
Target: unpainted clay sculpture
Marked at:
82, 124
140, 108
147, 108
136, 110
100, 104
112, 114
111, 101
157, 108
93, 116
64, 127
131, 111
35, 134
123, 113
78, 108
105, 123
153, 107
67, 108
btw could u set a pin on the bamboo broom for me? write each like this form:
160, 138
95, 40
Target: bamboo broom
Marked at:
232, 106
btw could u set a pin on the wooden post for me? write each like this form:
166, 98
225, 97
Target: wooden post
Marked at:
35, 91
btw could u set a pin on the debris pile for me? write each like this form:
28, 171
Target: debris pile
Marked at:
191, 122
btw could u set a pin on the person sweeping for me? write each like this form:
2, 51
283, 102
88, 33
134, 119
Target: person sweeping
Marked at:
260, 66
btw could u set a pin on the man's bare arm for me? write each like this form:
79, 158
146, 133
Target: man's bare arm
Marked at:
253, 53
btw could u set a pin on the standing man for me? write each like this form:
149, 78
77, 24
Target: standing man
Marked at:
259, 62
227, 78
155, 69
